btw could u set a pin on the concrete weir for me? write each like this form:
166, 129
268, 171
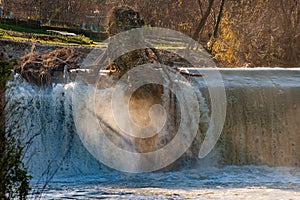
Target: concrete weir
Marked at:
262, 124
262, 118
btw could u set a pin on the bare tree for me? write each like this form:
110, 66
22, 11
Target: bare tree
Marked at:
203, 20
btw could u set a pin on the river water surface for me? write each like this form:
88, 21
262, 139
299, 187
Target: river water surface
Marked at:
230, 182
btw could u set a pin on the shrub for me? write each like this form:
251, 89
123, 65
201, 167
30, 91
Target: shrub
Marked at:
14, 181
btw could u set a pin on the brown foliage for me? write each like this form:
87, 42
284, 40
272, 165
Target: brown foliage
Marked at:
260, 33
251, 32
39, 68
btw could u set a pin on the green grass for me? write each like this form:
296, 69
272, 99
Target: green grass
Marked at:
22, 29
19, 33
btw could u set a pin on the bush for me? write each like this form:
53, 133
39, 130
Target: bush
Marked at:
14, 181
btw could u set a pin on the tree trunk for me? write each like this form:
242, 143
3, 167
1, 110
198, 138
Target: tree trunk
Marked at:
203, 20
219, 19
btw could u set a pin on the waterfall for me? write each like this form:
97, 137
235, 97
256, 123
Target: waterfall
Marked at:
43, 116
261, 125
56, 125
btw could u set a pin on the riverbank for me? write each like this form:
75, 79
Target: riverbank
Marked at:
16, 49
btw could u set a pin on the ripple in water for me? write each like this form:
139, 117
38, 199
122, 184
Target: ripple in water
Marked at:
230, 182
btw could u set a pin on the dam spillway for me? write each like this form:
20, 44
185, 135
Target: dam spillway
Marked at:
261, 125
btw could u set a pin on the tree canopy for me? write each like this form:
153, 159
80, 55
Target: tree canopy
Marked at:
236, 32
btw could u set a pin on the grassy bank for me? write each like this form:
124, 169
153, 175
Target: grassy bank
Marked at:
18, 33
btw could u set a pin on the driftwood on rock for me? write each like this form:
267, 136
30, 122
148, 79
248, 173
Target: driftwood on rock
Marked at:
39, 68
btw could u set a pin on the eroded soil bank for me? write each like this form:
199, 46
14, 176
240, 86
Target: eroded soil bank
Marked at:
15, 49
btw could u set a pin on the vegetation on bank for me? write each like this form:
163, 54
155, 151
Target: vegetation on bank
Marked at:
19, 33
14, 180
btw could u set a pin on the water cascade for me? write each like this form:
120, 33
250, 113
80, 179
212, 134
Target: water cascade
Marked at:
261, 126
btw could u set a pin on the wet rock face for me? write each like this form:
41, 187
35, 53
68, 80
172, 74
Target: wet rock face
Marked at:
120, 20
